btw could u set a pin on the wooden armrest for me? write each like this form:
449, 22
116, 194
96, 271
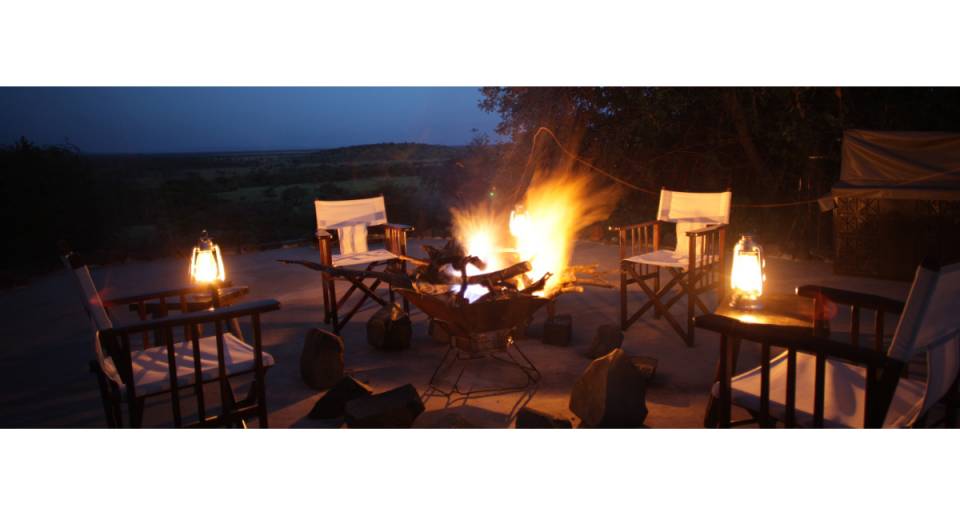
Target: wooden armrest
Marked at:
401, 227
708, 229
791, 339
848, 297
160, 294
323, 234
206, 316
631, 226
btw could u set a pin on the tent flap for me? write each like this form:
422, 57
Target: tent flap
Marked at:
914, 165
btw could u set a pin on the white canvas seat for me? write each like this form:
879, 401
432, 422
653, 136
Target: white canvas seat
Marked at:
700, 220
845, 388
364, 258
350, 219
151, 373
663, 258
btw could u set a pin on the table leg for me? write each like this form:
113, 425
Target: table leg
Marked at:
235, 328
712, 416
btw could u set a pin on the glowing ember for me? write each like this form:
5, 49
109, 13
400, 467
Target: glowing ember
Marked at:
479, 232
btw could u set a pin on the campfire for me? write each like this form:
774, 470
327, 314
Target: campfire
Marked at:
539, 231
501, 266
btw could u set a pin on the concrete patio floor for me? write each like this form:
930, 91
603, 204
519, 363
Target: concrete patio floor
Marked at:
45, 382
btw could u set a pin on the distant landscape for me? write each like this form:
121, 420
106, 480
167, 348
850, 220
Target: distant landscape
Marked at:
141, 206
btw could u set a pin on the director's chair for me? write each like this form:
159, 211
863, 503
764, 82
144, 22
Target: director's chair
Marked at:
351, 220
695, 266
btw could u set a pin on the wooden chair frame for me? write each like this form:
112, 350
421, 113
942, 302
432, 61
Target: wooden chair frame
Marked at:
705, 272
116, 341
116, 344
395, 241
882, 372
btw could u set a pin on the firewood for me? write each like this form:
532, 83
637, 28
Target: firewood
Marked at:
538, 285
592, 282
501, 275
416, 261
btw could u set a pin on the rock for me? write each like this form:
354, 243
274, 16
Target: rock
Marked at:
332, 404
396, 408
321, 360
611, 393
389, 328
532, 418
607, 338
557, 330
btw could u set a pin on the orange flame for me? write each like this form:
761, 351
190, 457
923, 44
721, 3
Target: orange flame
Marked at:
556, 206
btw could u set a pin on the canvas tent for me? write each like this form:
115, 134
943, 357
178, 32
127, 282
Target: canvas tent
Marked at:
897, 201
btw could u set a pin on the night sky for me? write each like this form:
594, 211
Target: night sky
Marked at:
144, 120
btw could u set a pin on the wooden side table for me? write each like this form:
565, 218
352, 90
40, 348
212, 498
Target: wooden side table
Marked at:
789, 311
223, 296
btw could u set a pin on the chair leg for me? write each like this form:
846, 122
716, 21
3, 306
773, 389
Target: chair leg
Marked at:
135, 407
262, 403
332, 313
691, 308
623, 297
368, 293
403, 270
711, 418
109, 411
656, 300
655, 295
235, 327
117, 411
951, 404
656, 287
327, 302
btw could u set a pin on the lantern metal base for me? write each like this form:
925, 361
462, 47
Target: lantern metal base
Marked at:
742, 302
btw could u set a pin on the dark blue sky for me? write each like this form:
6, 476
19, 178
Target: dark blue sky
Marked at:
101, 120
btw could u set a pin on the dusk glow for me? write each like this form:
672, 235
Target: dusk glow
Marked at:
147, 120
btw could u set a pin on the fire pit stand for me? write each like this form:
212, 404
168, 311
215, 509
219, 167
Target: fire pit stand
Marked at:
482, 327
496, 345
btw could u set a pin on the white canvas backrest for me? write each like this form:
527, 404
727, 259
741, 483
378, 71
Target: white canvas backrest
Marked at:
692, 211
698, 208
351, 218
92, 301
353, 239
929, 323
338, 214
108, 367
89, 296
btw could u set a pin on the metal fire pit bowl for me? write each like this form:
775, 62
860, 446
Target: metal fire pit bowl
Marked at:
468, 320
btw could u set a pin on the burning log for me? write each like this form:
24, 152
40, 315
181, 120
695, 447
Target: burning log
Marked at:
501, 275
440, 261
537, 285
